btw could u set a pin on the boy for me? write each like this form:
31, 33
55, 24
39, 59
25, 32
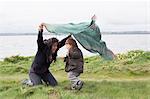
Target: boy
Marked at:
74, 63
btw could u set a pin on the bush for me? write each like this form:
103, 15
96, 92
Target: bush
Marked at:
130, 55
16, 59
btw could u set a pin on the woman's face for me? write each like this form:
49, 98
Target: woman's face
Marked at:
54, 47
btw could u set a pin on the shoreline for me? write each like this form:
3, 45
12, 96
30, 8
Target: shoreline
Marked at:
103, 33
85, 56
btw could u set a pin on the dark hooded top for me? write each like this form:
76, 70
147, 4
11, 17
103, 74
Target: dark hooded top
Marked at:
44, 56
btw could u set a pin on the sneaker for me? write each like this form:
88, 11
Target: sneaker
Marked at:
27, 82
79, 85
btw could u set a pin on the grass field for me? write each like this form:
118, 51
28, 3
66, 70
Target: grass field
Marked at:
126, 77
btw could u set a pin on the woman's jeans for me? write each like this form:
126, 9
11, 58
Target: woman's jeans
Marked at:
37, 79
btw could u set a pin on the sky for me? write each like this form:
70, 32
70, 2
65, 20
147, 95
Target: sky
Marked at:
24, 16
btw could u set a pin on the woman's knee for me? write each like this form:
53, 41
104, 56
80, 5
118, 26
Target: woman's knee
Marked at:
35, 79
51, 80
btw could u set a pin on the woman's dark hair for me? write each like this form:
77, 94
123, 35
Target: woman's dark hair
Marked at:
49, 43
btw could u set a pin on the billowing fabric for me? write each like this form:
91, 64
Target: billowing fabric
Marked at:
86, 33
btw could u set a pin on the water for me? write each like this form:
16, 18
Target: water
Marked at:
26, 45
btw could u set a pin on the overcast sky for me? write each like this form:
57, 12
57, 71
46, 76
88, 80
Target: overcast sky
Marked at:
112, 15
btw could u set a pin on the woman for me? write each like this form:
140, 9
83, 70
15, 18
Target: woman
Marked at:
46, 54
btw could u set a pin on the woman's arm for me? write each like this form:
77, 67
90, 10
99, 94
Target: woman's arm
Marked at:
62, 42
40, 38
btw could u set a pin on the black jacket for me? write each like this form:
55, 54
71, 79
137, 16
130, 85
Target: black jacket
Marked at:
74, 61
40, 64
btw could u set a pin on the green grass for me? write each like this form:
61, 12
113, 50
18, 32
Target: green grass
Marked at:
126, 77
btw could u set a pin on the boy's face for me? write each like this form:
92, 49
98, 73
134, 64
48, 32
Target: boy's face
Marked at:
68, 46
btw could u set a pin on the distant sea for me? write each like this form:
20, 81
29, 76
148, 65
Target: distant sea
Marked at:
25, 44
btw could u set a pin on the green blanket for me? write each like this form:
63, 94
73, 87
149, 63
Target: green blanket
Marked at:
86, 33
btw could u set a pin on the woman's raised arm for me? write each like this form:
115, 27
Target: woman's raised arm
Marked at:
40, 38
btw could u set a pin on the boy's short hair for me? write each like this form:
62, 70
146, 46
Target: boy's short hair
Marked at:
71, 42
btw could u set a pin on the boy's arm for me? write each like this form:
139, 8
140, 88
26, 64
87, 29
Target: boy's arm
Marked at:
75, 54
